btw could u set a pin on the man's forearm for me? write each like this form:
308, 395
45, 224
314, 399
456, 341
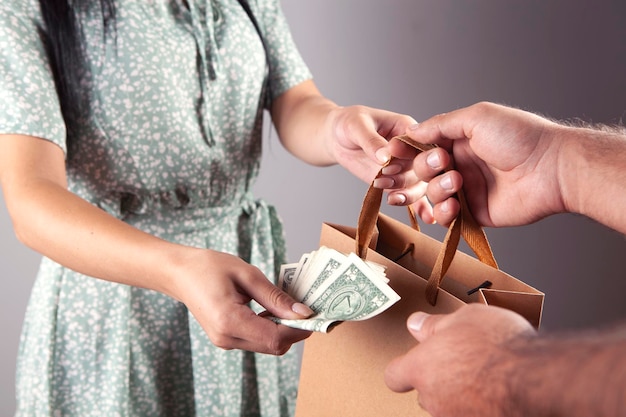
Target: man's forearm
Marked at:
593, 174
577, 375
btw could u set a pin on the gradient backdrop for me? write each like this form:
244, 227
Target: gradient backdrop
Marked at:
562, 58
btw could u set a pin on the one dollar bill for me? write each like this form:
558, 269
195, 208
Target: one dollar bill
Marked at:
337, 287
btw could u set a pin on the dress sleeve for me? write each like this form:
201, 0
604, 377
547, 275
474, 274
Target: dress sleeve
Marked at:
288, 68
29, 104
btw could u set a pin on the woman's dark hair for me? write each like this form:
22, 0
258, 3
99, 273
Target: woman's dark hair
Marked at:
64, 40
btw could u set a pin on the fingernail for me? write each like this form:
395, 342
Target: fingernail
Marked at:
414, 126
391, 169
302, 309
444, 207
433, 160
416, 321
383, 183
446, 182
397, 199
383, 155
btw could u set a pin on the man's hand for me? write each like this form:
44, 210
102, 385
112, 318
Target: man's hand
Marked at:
461, 364
506, 159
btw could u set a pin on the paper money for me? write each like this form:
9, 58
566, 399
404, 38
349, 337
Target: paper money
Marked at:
337, 287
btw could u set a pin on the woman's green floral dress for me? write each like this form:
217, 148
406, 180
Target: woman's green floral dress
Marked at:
172, 146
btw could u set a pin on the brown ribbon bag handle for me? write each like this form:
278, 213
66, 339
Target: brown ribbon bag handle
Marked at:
463, 225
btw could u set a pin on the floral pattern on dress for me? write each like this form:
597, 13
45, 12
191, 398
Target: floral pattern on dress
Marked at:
171, 145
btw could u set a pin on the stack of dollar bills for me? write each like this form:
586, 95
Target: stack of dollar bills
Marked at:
337, 287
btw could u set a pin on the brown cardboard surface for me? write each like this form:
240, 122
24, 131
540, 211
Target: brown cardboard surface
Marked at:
343, 371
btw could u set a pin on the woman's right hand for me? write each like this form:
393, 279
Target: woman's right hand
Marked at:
216, 287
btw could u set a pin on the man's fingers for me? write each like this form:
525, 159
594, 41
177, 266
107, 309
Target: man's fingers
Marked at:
399, 375
446, 211
423, 325
441, 128
423, 210
427, 165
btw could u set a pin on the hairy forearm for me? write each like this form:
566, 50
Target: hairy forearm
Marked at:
592, 172
577, 375
78, 235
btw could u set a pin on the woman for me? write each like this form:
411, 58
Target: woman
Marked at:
130, 138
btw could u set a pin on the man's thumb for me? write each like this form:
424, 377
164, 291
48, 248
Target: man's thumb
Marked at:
422, 325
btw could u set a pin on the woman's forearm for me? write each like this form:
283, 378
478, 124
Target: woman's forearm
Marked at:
60, 225
321, 133
300, 116
80, 236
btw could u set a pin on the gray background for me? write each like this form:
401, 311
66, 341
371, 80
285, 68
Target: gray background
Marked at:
563, 58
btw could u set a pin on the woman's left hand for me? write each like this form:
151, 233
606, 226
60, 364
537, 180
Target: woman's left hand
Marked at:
319, 132
360, 144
